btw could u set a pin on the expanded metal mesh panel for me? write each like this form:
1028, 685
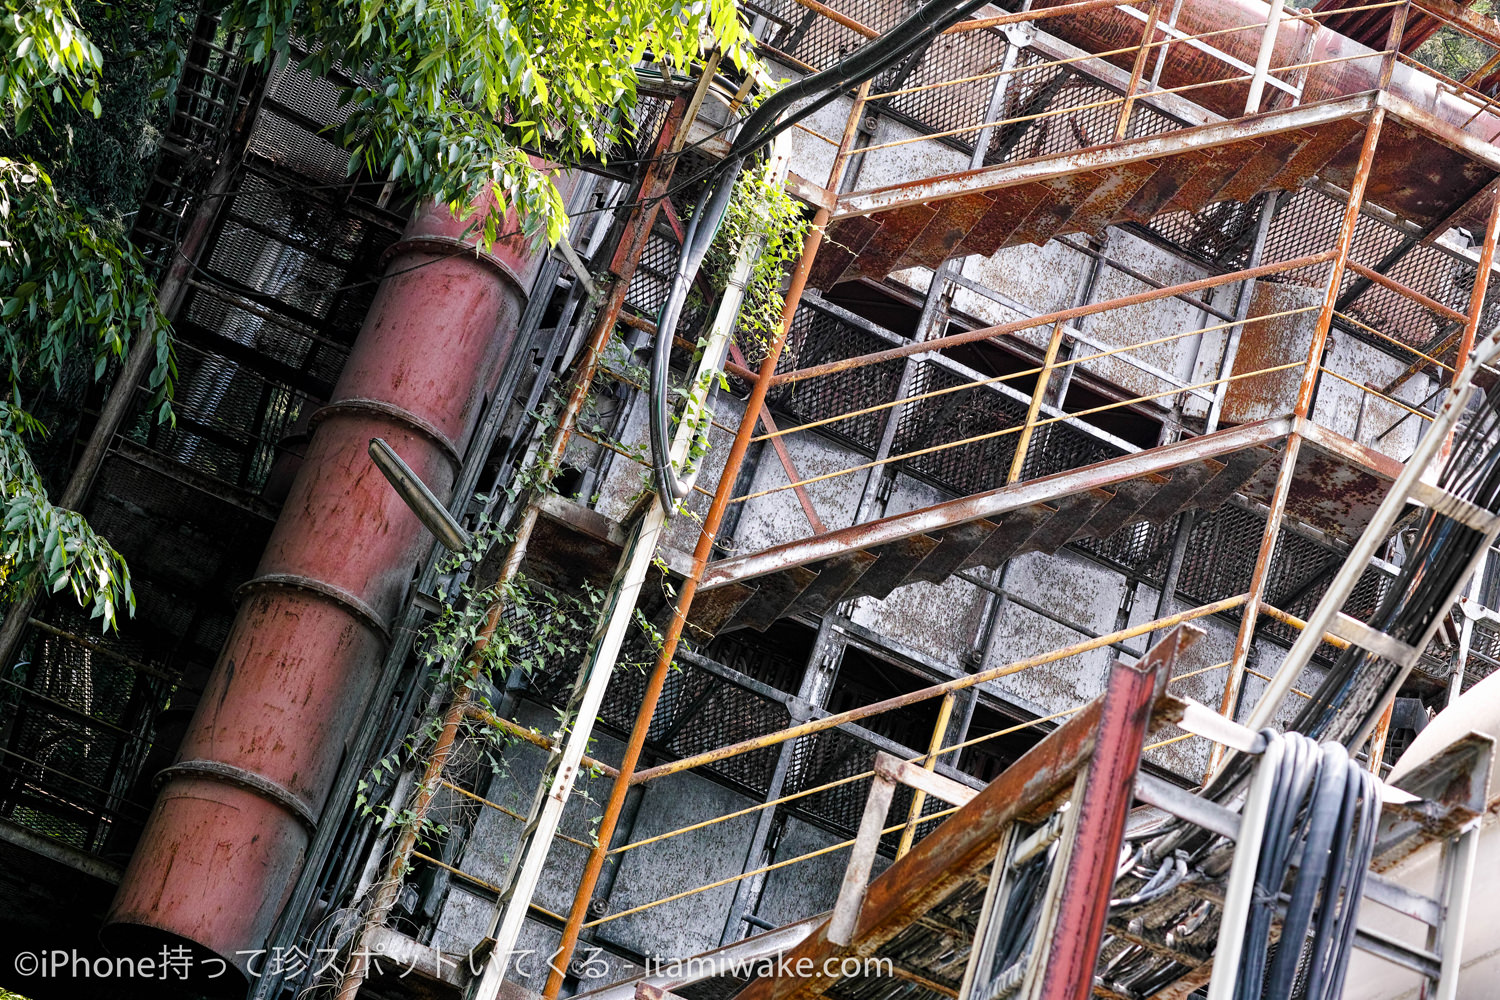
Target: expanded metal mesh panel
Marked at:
822, 758
313, 97
1143, 547
646, 119
761, 656
1427, 271
1060, 447
830, 756
287, 145
79, 727
956, 416
811, 38
697, 711
1040, 96
1484, 654
700, 711
653, 275
1220, 558
229, 420
988, 420
956, 105
816, 338
1223, 233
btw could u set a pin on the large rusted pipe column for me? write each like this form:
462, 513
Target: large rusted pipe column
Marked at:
230, 826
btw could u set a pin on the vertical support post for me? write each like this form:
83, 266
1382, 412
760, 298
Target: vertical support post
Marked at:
1481, 285
919, 797
1458, 866
1234, 683
1108, 791
578, 912
1377, 739
1263, 58
1241, 312
1137, 70
1043, 379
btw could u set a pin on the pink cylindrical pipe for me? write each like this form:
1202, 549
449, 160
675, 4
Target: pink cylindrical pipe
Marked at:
233, 820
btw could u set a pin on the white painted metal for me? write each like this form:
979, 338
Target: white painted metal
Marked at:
604, 649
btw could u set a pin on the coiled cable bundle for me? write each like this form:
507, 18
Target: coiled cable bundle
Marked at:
1317, 811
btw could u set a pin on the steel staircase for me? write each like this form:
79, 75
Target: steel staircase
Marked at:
932, 543
988, 209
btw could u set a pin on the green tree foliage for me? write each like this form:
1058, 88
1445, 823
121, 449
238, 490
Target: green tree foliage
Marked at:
69, 289
1454, 53
461, 92
474, 102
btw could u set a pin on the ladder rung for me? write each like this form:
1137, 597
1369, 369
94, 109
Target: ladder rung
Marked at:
1403, 900
1459, 509
1377, 642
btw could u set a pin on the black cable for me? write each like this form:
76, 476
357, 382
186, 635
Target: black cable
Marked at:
1324, 811
760, 127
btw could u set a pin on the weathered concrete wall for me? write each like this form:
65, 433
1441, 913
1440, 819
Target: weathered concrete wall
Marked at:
464, 918
778, 517
943, 620
913, 161
807, 887
1338, 404
1147, 321
693, 923
1074, 588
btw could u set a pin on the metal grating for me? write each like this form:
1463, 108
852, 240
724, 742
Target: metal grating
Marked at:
1484, 654
946, 108
79, 722
817, 337
700, 711
811, 39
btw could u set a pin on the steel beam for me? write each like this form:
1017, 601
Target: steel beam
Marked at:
992, 503
931, 189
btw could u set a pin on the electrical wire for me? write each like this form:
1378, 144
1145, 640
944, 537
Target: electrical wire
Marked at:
770, 119
1319, 840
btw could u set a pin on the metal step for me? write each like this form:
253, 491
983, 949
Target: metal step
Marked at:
1104, 205
1177, 495
1222, 163
1051, 215
947, 230
1326, 143
1072, 514
1163, 186
1121, 510
1009, 209
1011, 532
1253, 177
776, 594
958, 543
713, 609
844, 241
898, 230
835, 577
1238, 470
897, 560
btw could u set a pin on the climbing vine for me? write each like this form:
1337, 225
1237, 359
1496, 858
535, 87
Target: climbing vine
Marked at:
760, 208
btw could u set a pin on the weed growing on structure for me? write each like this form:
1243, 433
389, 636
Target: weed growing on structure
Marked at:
760, 209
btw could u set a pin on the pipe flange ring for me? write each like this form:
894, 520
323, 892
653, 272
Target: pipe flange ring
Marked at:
448, 246
250, 781
393, 412
338, 595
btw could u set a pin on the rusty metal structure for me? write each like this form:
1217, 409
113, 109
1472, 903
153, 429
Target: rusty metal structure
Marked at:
1117, 324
